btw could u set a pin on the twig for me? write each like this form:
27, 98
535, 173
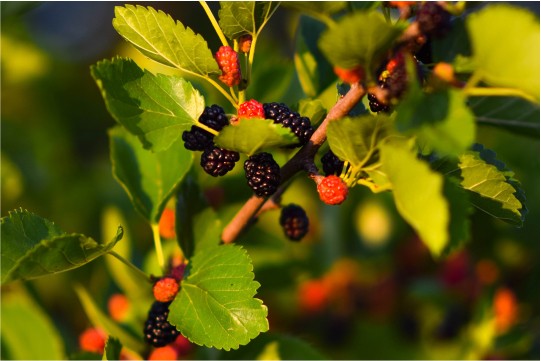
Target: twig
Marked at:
297, 163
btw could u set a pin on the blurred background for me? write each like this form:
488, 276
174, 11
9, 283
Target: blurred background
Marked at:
361, 285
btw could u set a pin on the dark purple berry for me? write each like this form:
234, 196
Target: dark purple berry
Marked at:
199, 139
294, 222
158, 331
331, 163
262, 173
218, 161
281, 114
433, 19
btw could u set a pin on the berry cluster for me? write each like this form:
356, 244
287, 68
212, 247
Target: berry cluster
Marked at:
281, 114
294, 222
158, 331
214, 160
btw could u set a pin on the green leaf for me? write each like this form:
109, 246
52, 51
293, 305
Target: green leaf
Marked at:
33, 247
112, 349
453, 44
362, 38
100, 319
275, 347
492, 186
511, 113
27, 332
355, 139
441, 120
197, 225
250, 136
244, 17
312, 109
306, 66
215, 306
155, 108
418, 194
148, 178
505, 46
318, 9
158, 36
460, 210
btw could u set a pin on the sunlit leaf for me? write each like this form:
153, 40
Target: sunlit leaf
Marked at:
418, 193
112, 349
249, 136
155, 108
244, 17
34, 247
215, 306
505, 46
148, 178
158, 36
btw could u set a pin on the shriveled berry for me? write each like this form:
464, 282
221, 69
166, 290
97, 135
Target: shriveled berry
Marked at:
281, 114
165, 289
229, 64
332, 190
251, 109
262, 173
245, 43
158, 331
433, 19
218, 161
331, 163
350, 76
294, 222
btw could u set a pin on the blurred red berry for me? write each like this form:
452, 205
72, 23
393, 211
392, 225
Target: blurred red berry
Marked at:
182, 345
167, 224
164, 353
313, 295
505, 309
118, 306
350, 76
92, 340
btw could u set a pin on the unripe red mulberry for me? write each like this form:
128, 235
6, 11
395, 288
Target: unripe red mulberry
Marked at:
228, 61
165, 289
350, 76
332, 190
251, 109
245, 43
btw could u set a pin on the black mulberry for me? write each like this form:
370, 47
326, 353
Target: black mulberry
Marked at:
331, 163
433, 19
158, 331
218, 161
262, 173
199, 139
294, 222
281, 114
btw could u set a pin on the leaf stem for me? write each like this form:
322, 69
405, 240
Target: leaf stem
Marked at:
207, 128
214, 23
481, 91
232, 98
134, 268
158, 245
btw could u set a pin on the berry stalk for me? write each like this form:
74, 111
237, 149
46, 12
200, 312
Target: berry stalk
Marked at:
304, 156
137, 271
158, 245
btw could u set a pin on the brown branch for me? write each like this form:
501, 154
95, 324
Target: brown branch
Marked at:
297, 163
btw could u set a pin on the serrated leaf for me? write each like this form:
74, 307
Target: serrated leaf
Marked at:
440, 120
505, 45
250, 136
158, 36
148, 178
355, 139
361, 38
244, 17
112, 349
23, 320
492, 186
155, 108
100, 319
33, 247
418, 194
215, 306
460, 210
511, 113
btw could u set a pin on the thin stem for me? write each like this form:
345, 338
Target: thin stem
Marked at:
232, 98
134, 268
207, 128
158, 245
478, 91
214, 23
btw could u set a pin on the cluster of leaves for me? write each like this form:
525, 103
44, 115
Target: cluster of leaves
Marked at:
423, 152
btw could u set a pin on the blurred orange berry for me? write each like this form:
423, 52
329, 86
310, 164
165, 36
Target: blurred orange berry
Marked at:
313, 295
505, 309
182, 345
167, 223
245, 43
350, 76
401, 4
92, 340
164, 353
118, 306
